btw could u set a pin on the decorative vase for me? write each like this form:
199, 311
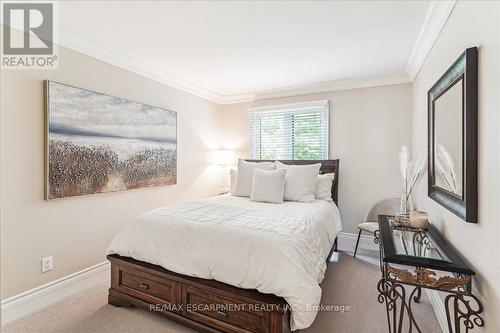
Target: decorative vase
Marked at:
404, 209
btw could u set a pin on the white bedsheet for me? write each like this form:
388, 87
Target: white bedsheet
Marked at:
275, 248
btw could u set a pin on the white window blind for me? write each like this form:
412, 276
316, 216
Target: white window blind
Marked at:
290, 132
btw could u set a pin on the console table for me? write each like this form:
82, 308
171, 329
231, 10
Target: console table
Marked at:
423, 259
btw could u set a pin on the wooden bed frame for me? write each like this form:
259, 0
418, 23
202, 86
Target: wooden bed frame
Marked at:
204, 305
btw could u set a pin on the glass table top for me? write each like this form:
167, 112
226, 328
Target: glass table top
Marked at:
415, 243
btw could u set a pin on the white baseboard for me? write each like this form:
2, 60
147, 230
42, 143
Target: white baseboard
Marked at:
38, 298
347, 242
438, 307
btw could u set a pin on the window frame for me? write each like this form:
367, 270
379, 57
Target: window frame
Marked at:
296, 108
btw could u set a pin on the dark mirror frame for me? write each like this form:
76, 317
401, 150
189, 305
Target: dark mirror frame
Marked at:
465, 206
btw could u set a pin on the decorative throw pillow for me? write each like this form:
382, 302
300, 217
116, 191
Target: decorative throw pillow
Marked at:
324, 186
245, 171
232, 180
300, 182
268, 186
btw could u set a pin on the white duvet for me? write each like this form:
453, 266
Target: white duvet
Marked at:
279, 249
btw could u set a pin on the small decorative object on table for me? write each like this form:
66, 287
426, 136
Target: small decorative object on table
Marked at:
419, 220
411, 173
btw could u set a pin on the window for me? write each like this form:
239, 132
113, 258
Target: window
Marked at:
290, 132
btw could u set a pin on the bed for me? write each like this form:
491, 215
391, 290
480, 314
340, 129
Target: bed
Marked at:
227, 264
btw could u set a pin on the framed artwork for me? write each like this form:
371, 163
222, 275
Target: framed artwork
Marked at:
96, 143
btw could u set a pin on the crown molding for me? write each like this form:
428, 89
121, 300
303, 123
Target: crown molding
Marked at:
435, 19
79, 42
336, 85
236, 98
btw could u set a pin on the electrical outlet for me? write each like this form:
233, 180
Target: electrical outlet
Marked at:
47, 264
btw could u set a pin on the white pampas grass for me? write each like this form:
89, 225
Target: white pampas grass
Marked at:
404, 161
411, 173
446, 167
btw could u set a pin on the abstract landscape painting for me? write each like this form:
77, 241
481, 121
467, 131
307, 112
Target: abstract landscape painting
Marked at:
98, 143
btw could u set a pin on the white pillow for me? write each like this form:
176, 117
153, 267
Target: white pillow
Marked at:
324, 186
268, 186
232, 180
300, 182
245, 171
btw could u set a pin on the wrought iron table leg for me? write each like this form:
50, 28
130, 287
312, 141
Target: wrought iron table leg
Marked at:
376, 239
394, 296
418, 296
464, 314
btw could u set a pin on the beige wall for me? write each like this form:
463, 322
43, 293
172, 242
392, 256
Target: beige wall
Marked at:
367, 128
470, 24
77, 231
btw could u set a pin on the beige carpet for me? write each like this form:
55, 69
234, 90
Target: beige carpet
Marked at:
348, 282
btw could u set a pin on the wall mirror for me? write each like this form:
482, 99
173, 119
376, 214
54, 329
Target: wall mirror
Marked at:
452, 138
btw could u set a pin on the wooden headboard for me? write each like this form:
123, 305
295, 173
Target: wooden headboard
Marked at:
327, 166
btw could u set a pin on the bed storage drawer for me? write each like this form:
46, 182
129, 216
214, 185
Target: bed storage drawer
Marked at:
222, 312
150, 288
205, 305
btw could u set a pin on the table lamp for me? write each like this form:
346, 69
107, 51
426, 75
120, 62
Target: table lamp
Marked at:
225, 159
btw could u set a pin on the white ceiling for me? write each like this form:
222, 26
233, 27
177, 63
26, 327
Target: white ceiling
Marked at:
224, 48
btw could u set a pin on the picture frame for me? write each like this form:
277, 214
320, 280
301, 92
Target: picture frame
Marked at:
98, 143
464, 71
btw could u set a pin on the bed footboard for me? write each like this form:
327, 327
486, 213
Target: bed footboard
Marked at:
204, 305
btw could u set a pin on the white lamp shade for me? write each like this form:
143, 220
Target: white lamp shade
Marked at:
224, 157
